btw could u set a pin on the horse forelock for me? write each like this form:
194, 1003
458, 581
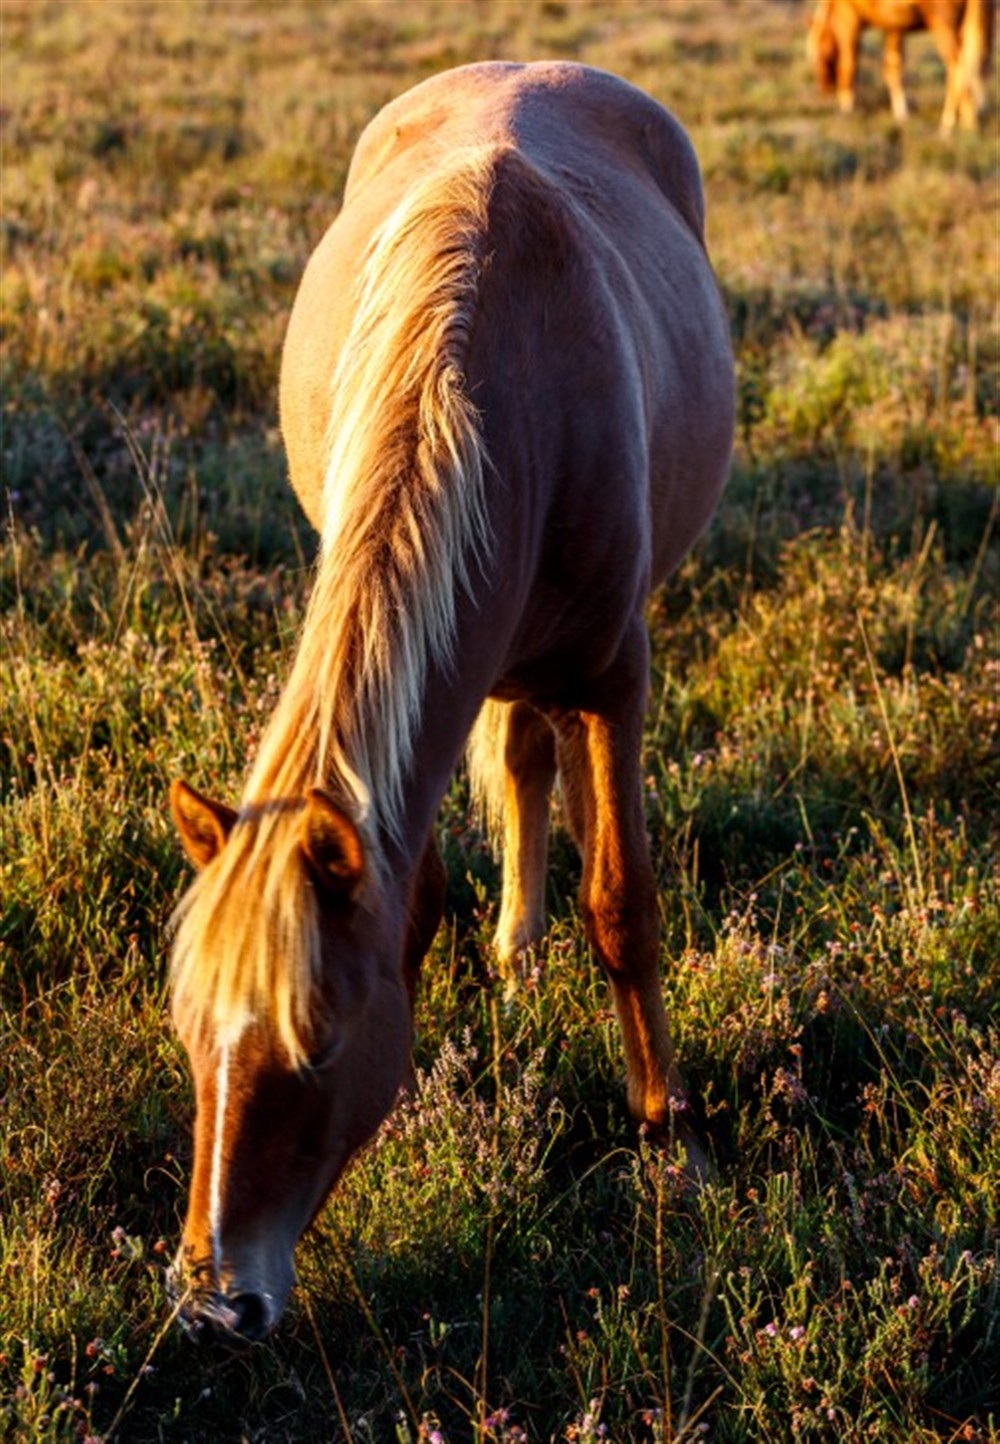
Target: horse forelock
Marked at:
247, 945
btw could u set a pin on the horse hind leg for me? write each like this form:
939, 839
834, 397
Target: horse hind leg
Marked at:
572, 773
602, 749
513, 762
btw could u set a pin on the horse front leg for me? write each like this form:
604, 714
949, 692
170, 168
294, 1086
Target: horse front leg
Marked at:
424, 915
423, 919
601, 748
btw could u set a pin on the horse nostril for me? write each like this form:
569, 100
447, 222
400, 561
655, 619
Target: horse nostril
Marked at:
250, 1319
239, 1319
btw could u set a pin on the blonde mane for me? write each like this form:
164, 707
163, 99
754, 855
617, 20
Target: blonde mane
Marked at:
405, 530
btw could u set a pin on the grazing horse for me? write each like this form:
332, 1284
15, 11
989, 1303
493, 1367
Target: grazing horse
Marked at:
962, 30
507, 404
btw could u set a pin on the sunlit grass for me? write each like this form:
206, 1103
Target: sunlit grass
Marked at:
508, 1262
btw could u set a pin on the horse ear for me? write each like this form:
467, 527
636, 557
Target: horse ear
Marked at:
332, 844
203, 824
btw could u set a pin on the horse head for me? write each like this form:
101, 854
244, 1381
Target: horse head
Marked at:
296, 1061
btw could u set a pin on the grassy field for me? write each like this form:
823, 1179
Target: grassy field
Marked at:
507, 1263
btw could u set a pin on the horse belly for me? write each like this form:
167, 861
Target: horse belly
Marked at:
607, 396
692, 437
665, 392
676, 338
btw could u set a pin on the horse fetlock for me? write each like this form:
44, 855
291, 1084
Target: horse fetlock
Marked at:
518, 959
517, 934
679, 1145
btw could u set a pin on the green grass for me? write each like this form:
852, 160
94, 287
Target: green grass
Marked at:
508, 1262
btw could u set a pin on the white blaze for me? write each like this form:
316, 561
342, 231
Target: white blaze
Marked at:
215, 1183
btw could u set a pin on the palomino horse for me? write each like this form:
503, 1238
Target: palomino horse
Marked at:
962, 29
507, 402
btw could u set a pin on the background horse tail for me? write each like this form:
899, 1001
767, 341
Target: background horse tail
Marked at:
974, 58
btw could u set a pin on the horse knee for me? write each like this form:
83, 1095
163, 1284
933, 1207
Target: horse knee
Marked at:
622, 929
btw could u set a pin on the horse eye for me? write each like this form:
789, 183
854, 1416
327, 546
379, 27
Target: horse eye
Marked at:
326, 1055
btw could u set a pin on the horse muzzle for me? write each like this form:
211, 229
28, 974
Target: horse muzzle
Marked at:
234, 1317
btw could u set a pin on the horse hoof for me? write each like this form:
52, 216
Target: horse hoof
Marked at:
679, 1155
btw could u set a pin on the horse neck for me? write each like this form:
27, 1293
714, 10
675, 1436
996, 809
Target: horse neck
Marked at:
384, 744
405, 533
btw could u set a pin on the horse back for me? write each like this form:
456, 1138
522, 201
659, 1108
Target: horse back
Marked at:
912, 15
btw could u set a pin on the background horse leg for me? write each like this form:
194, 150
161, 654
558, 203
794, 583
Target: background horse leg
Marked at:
529, 759
847, 27
602, 751
956, 91
976, 46
892, 73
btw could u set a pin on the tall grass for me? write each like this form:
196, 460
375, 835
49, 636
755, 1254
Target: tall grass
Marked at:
508, 1261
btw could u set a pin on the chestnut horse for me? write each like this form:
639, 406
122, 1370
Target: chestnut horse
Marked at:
962, 30
507, 403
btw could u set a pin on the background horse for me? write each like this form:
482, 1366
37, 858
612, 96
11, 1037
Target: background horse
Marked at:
507, 403
962, 30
